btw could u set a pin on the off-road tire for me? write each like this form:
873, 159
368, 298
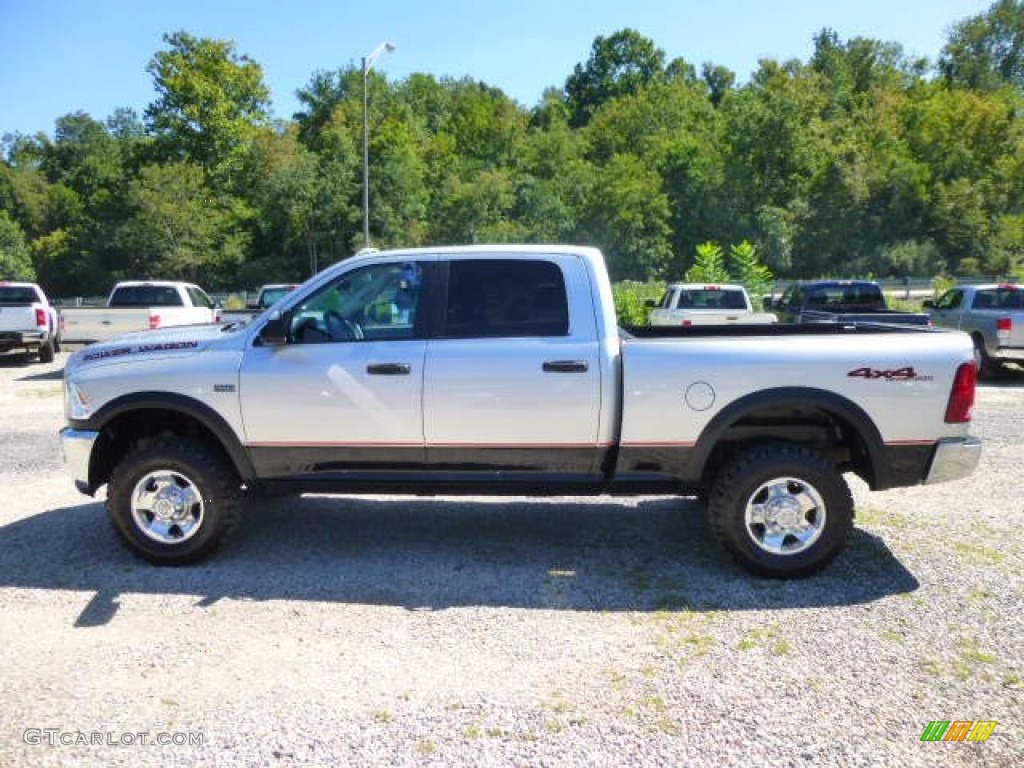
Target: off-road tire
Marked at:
46, 351
209, 476
986, 367
733, 491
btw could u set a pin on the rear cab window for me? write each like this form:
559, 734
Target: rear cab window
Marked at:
11, 295
502, 298
146, 296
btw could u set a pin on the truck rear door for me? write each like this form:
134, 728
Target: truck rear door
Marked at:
513, 377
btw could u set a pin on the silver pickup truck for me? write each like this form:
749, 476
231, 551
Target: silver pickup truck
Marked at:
501, 370
993, 315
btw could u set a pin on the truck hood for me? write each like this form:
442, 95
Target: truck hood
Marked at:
178, 341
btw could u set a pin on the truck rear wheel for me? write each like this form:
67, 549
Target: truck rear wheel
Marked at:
46, 351
782, 510
173, 500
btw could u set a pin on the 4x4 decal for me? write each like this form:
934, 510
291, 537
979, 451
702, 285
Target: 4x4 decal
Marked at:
907, 373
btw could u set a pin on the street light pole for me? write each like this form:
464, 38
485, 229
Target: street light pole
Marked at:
367, 65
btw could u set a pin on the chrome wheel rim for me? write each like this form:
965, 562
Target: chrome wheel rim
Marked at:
785, 516
167, 507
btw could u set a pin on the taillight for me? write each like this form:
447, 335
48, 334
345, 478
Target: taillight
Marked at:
961, 397
1003, 327
686, 323
154, 322
41, 320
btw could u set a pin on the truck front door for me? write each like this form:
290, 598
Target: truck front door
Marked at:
343, 398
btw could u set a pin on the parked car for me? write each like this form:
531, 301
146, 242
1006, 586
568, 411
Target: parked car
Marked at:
840, 301
703, 304
268, 295
27, 321
992, 314
136, 305
506, 375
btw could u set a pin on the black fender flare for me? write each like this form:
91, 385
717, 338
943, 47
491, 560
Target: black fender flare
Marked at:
796, 397
176, 403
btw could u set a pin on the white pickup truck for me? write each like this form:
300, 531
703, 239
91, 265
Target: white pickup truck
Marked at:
503, 372
28, 321
992, 314
137, 305
686, 304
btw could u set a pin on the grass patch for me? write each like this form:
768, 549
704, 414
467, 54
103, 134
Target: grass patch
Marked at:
970, 651
976, 554
771, 637
881, 518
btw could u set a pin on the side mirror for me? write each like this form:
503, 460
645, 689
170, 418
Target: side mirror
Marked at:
767, 303
252, 304
650, 303
928, 304
274, 332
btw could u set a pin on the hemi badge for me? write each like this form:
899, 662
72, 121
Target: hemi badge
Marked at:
223, 387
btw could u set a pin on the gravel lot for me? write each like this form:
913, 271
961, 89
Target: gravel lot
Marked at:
385, 631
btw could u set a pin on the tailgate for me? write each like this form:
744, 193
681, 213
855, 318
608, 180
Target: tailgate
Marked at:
17, 318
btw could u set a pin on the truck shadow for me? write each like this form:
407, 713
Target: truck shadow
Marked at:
1008, 377
422, 554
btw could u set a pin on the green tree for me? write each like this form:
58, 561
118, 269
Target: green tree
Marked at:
618, 64
986, 51
626, 213
708, 266
210, 101
746, 268
180, 227
15, 259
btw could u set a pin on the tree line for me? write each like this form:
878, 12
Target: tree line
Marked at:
861, 160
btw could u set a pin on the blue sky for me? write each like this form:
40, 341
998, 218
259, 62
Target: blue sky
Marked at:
61, 56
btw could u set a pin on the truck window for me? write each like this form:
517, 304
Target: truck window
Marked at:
199, 297
1011, 298
377, 302
491, 298
950, 300
17, 294
146, 296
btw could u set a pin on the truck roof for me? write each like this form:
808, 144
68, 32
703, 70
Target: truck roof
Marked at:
132, 283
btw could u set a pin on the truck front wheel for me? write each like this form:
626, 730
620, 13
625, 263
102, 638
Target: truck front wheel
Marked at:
173, 500
983, 364
782, 510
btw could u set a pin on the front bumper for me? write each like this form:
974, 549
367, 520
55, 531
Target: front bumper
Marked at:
954, 458
76, 445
